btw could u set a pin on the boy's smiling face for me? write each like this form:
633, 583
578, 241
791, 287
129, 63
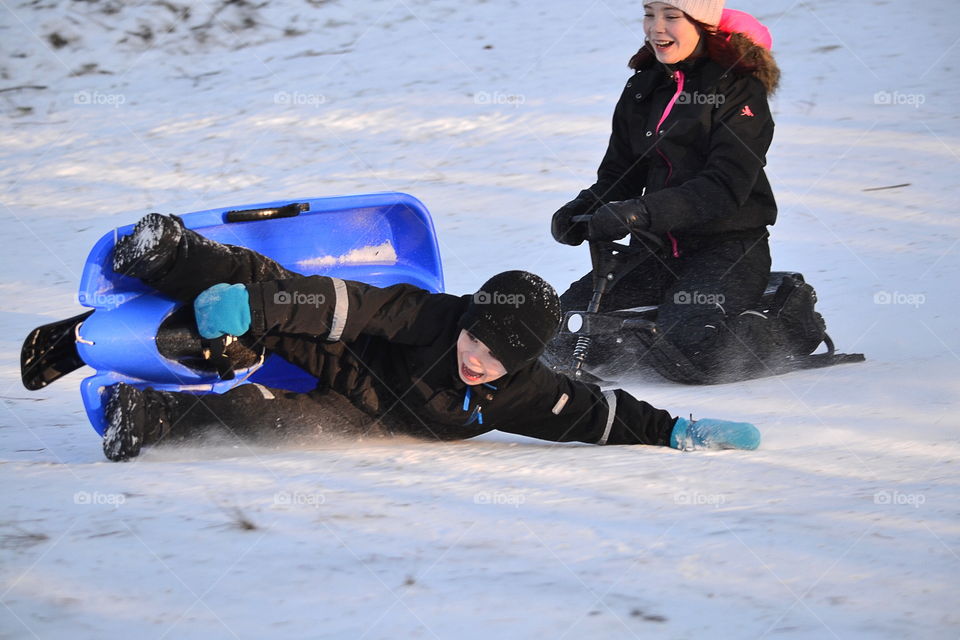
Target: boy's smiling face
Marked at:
475, 364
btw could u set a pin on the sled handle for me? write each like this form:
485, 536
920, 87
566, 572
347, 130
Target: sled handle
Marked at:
249, 215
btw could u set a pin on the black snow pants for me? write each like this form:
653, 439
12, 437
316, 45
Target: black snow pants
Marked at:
701, 295
250, 411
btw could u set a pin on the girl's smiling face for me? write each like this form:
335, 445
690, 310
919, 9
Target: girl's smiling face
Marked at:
475, 364
673, 36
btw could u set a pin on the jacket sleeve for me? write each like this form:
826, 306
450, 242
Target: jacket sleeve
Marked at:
620, 175
560, 409
336, 309
741, 133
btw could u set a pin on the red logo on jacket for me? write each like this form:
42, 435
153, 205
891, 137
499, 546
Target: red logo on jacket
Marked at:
747, 111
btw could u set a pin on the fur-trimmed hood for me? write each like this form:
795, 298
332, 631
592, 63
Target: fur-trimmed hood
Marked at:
735, 51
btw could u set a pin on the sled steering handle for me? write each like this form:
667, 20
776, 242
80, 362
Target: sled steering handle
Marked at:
645, 236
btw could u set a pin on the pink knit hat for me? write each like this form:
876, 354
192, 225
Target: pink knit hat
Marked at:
734, 21
706, 11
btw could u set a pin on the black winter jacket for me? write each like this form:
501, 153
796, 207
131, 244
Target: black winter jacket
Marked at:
701, 171
392, 352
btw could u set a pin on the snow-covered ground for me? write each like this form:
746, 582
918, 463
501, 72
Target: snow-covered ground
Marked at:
845, 524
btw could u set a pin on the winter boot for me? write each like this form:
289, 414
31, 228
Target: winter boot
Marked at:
802, 328
134, 418
150, 250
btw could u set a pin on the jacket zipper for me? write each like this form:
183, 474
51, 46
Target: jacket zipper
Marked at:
678, 76
477, 414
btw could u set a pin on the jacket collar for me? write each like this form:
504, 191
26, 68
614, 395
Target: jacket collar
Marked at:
705, 72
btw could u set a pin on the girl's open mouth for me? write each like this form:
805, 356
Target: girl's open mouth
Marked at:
663, 44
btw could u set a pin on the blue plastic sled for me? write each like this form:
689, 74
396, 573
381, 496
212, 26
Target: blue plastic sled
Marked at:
381, 239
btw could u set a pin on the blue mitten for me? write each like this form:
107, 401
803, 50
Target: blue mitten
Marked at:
710, 433
223, 309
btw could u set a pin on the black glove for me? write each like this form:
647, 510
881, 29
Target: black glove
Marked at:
564, 229
614, 220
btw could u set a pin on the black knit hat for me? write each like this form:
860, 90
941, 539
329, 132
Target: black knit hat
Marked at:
515, 313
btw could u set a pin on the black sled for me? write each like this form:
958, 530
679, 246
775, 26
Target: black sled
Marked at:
609, 346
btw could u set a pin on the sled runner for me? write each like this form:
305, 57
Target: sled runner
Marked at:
593, 346
133, 334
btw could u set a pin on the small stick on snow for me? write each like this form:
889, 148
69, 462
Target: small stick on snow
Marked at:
895, 186
22, 87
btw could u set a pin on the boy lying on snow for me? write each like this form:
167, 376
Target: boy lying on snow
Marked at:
394, 360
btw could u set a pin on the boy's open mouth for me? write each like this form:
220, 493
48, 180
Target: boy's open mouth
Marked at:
469, 374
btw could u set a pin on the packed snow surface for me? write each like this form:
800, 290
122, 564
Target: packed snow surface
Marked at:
846, 522
380, 254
